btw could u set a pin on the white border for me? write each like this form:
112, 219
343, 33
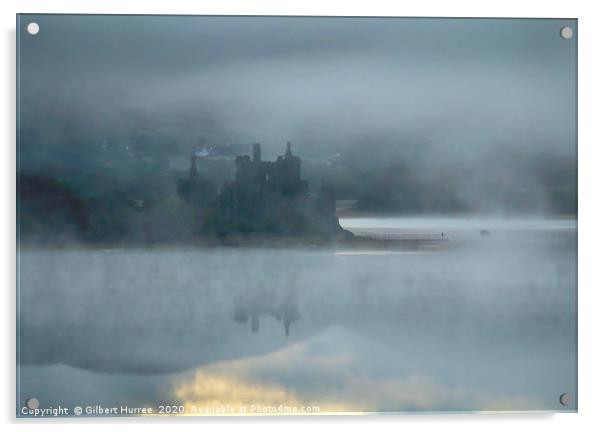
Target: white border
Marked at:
590, 217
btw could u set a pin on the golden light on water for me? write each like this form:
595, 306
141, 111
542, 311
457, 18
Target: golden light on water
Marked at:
255, 385
312, 377
229, 394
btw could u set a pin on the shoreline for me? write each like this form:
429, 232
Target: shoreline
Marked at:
243, 242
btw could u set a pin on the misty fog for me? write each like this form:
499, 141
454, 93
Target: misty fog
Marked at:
490, 325
480, 111
457, 135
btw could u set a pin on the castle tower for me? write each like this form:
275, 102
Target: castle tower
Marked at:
289, 153
287, 171
256, 152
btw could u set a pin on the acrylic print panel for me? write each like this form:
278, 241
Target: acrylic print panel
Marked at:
295, 215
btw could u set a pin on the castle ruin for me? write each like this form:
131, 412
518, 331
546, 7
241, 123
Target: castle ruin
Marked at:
264, 197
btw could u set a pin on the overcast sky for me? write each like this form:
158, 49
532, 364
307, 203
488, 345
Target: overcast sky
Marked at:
460, 84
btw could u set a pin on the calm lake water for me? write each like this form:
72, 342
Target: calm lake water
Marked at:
487, 322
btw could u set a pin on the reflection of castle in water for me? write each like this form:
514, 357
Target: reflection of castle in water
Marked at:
263, 197
287, 312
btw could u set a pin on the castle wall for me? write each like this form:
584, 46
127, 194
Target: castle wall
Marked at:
267, 196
